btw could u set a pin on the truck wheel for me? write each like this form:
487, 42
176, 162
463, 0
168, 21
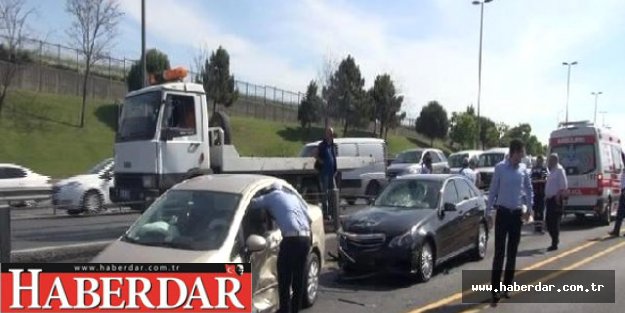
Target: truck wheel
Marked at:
221, 119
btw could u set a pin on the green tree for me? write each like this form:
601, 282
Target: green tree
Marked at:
386, 103
463, 129
219, 85
433, 121
524, 132
309, 110
346, 97
156, 62
489, 134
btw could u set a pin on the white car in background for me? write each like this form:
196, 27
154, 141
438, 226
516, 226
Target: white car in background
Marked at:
14, 176
87, 192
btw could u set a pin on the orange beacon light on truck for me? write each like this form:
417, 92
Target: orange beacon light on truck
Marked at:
174, 74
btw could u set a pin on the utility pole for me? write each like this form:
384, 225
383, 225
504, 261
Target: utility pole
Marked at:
144, 65
479, 70
596, 94
568, 85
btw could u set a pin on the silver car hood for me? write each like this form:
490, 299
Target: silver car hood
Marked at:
124, 252
400, 166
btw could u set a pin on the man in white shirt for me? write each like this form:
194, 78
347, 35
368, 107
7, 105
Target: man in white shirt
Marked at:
621, 205
467, 172
555, 191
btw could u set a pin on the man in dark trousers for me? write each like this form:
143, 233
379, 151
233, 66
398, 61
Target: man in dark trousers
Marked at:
326, 166
539, 177
620, 214
510, 191
293, 219
555, 192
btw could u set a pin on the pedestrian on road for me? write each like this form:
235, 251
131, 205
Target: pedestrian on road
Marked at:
467, 171
426, 167
294, 221
539, 177
620, 214
555, 192
327, 168
510, 190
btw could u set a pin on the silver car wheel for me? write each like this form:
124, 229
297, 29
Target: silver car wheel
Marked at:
312, 280
92, 203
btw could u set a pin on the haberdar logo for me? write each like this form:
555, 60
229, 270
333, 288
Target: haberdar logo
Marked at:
108, 288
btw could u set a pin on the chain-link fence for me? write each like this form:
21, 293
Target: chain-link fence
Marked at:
55, 68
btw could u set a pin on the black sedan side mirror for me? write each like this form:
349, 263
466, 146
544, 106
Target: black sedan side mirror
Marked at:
449, 207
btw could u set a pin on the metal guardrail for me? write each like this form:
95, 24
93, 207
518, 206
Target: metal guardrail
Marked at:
24, 194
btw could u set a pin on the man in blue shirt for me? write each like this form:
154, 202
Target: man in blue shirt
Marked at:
511, 195
293, 219
326, 157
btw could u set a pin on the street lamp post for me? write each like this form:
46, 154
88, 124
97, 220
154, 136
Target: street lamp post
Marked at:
603, 117
596, 94
144, 72
568, 86
479, 70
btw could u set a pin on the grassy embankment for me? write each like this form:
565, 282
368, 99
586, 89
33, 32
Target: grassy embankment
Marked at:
40, 131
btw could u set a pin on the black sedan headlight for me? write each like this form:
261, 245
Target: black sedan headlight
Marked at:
406, 239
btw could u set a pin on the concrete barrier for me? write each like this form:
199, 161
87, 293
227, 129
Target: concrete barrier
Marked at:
83, 253
59, 254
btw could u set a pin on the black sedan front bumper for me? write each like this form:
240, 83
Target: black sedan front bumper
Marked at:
374, 257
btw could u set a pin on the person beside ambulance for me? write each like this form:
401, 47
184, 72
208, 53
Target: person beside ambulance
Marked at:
556, 187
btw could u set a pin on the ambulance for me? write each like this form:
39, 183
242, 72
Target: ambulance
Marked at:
591, 157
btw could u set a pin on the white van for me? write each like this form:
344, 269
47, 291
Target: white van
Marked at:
486, 165
591, 157
364, 181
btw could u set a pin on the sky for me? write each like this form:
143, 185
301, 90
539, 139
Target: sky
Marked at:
429, 47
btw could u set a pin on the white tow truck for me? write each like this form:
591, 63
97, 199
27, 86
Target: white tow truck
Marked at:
166, 134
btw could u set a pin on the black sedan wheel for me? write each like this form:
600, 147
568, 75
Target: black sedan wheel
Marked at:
479, 252
424, 262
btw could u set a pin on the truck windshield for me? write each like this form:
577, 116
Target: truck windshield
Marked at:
186, 219
139, 117
490, 159
577, 159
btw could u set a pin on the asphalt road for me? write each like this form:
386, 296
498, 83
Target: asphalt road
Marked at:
591, 250
583, 246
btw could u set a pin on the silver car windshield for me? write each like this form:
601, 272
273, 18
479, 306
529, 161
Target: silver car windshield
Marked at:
408, 157
100, 166
410, 194
186, 219
139, 117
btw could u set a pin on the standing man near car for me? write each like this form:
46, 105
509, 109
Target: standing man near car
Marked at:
539, 177
510, 190
326, 166
467, 171
555, 192
294, 221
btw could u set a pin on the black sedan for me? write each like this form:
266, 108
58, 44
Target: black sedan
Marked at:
416, 223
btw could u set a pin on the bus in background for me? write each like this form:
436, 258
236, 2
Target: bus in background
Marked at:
591, 157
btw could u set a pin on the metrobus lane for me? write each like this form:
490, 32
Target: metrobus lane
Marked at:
443, 293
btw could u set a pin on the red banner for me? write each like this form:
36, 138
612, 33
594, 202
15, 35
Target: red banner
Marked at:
108, 288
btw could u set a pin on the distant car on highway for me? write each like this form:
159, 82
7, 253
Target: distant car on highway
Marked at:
455, 159
409, 162
87, 192
206, 220
13, 176
417, 223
